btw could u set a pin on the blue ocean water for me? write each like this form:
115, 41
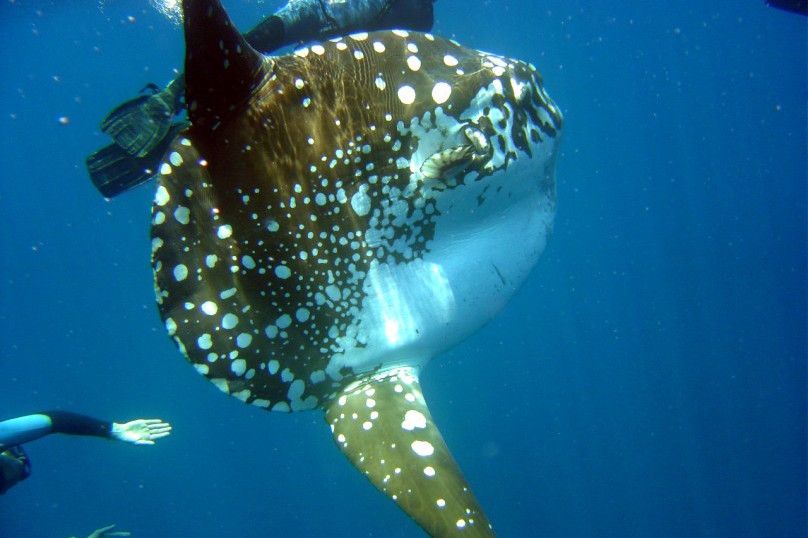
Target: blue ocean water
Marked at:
648, 380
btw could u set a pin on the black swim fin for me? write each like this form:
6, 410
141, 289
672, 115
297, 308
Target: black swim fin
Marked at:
141, 124
113, 170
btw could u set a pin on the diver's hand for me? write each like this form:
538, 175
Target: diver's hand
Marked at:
141, 431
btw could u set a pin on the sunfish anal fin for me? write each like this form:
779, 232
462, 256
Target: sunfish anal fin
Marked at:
382, 424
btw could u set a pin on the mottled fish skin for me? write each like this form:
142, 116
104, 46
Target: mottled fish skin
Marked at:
334, 218
262, 252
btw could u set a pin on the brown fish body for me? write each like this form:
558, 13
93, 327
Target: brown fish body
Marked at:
335, 217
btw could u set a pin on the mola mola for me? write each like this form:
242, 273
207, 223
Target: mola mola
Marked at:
334, 218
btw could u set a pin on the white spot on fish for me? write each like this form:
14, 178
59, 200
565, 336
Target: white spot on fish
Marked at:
360, 202
317, 376
243, 340
423, 448
180, 272
238, 366
161, 197
450, 60
210, 260
441, 92
413, 419
414, 63
358, 54
429, 471
248, 262
318, 50
204, 341
333, 292
284, 321
224, 231
182, 214
282, 271
209, 307
228, 293
406, 94
302, 314
380, 83
175, 158
378, 46
229, 321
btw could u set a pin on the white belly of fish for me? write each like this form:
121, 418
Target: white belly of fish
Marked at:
479, 256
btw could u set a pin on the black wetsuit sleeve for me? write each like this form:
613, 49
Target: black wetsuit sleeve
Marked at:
75, 424
408, 15
268, 36
304, 20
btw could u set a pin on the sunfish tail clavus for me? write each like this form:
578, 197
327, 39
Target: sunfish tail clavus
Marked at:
334, 218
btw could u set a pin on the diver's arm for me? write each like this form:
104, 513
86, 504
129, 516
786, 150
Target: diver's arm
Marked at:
17, 431
75, 424
306, 20
31, 427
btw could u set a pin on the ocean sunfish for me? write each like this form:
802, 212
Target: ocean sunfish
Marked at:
334, 218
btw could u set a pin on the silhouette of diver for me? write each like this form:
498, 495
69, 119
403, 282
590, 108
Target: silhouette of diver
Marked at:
142, 128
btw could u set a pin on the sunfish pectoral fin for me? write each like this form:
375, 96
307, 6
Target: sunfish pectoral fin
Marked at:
447, 162
382, 424
475, 150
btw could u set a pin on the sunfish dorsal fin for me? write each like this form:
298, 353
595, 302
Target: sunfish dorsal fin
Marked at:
221, 68
382, 424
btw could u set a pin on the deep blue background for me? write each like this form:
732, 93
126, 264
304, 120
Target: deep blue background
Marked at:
648, 380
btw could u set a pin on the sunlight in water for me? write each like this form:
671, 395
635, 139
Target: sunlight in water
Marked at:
171, 9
